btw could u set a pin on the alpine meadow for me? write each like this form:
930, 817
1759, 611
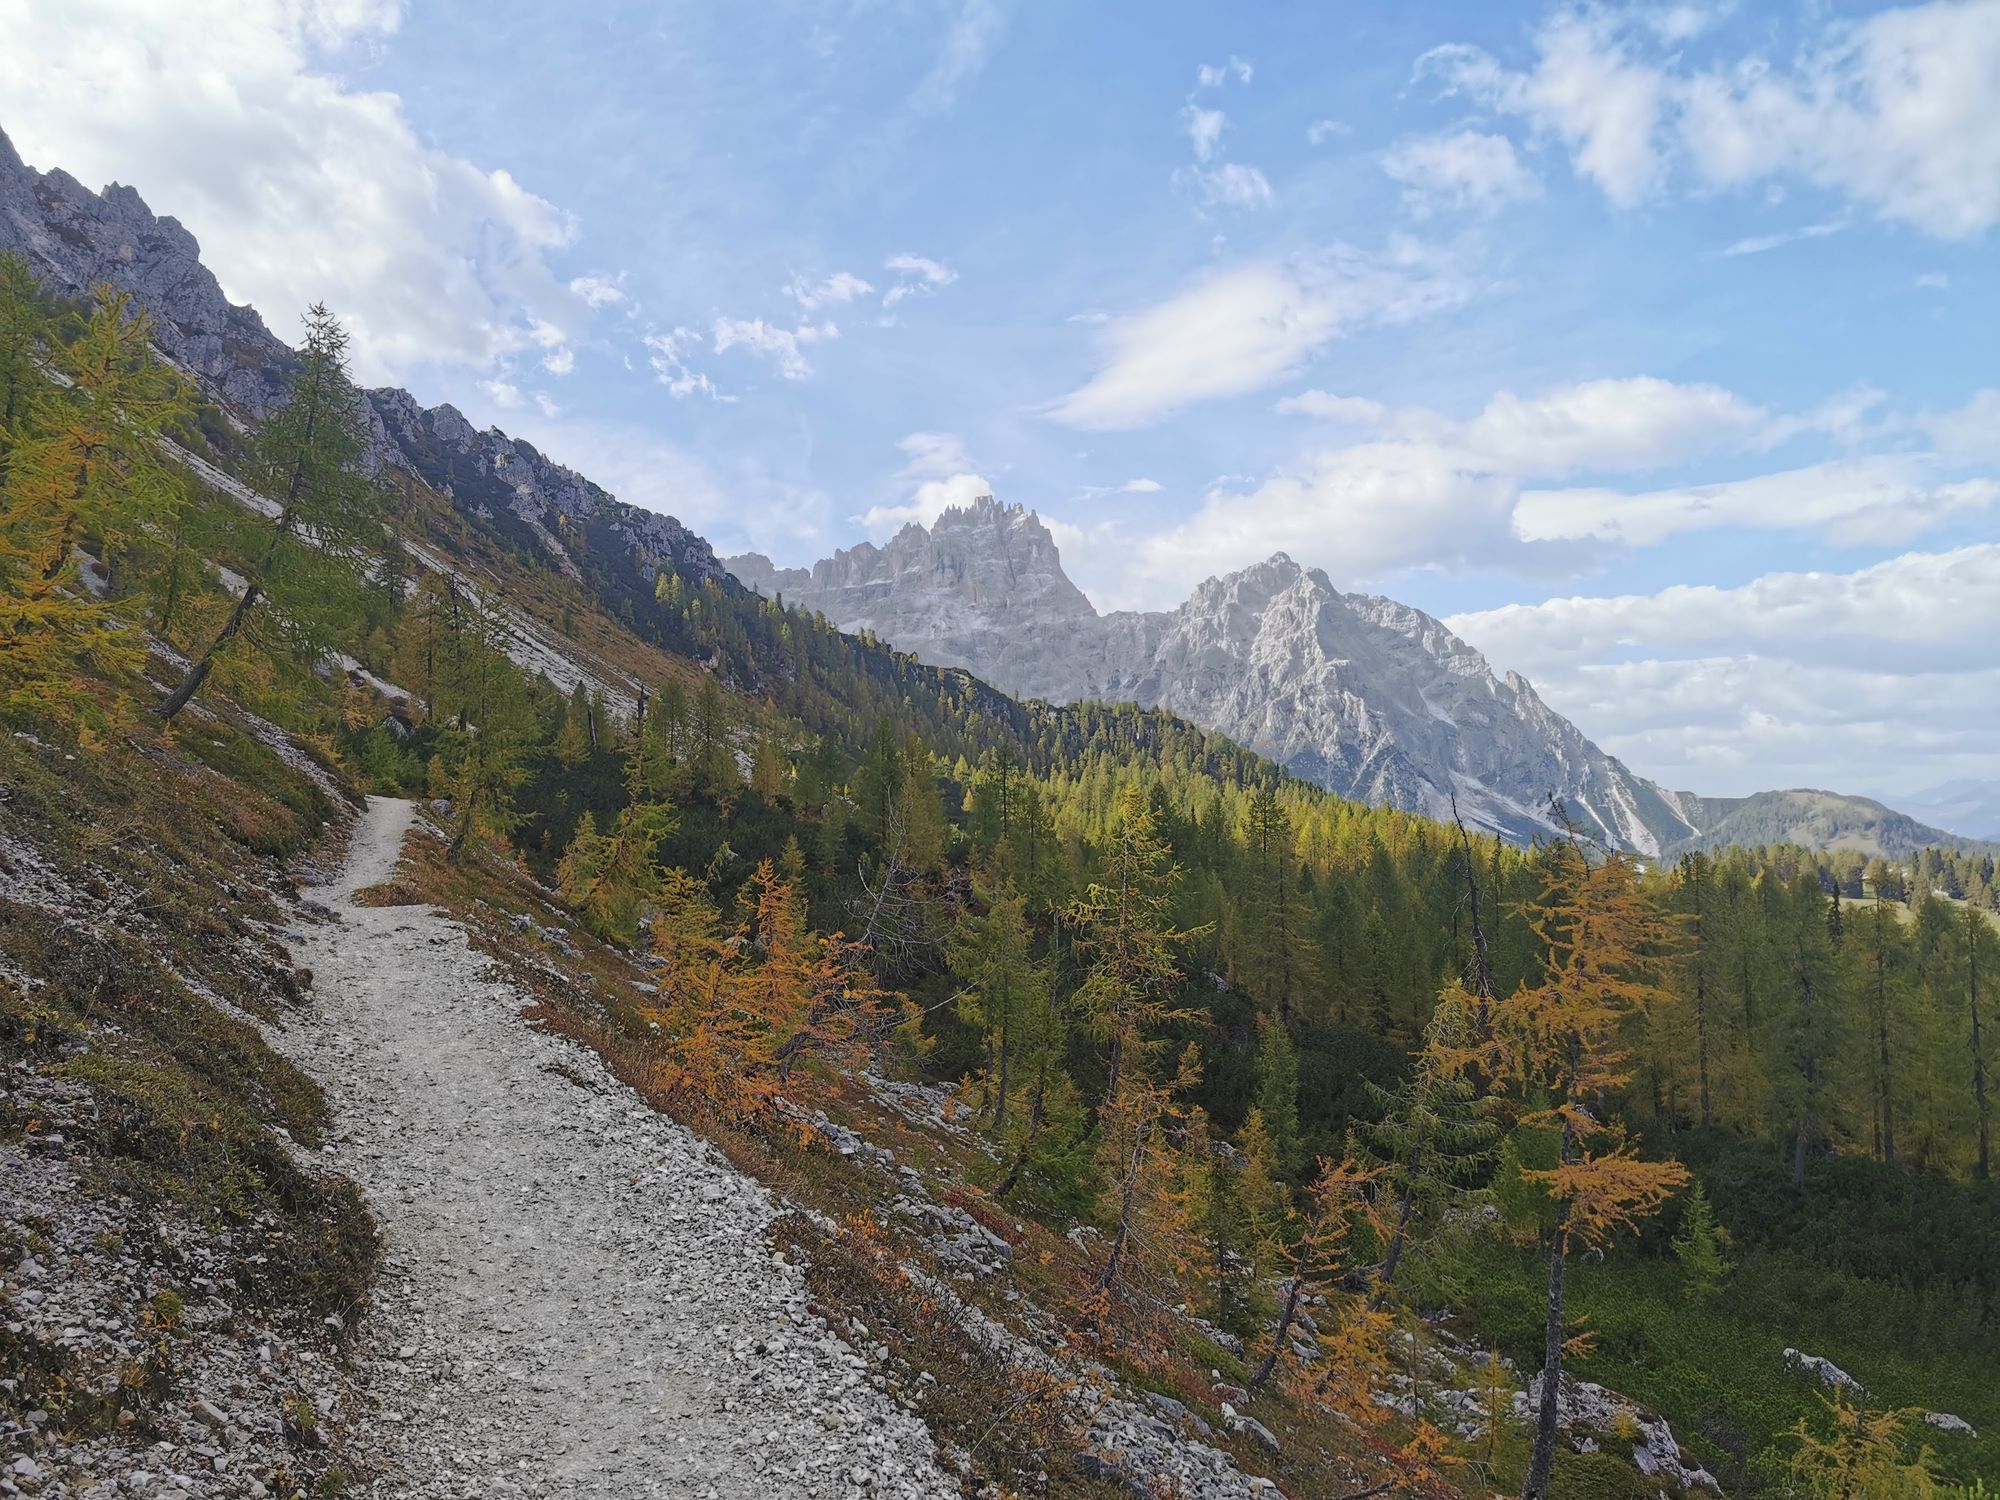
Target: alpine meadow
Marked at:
1004, 918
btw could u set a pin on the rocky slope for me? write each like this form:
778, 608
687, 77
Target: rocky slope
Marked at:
1368, 697
75, 239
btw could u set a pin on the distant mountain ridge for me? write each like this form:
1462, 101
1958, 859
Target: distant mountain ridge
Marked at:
1817, 819
1360, 694
1367, 697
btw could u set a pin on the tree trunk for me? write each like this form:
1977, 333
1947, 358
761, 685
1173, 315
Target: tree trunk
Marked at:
1386, 1277
1034, 1128
1285, 1316
197, 674
1000, 1101
1127, 1200
1542, 1458
1982, 1171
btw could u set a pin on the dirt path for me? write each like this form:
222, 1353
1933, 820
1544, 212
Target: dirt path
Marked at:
579, 1298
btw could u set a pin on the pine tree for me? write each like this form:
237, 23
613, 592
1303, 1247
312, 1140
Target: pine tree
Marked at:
1700, 1245
307, 564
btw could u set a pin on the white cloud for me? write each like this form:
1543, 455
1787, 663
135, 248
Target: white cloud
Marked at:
1875, 500
1350, 411
1421, 490
670, 362
1242, 329
1364, 511
1215, 75
1893, 112
502, 393
1972, 431
781, 346
1758, 244
840, 287
1204, 129
932, 499
1584, 90
933, 455
1233, 185
1129, 487
598, 291
561, 362
1466, 170
972, 34
1935, 281
1321, 131
1215, 181
1794, 678
1937, 609
300, 189
919, 273
545, 403
1610, 425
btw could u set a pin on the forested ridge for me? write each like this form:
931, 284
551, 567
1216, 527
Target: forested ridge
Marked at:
1266, 1045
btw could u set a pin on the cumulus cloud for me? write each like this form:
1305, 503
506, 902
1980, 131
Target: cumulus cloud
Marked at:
561, 362
1361, 511
919, 275
1408, 487
1610, 425
1876, 500
1242, 329
1219, 183
782, 347
943, 471
1215, 75
1815, 678
299, 188
671, 362
597, 291
1893, 111
840, 287
1466, 170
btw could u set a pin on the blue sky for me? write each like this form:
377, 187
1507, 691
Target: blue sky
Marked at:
1641, 342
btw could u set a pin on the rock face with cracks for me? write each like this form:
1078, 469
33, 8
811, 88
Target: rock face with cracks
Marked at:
578, 1297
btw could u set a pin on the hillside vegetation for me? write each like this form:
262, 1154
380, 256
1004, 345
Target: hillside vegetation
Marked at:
1326, 1100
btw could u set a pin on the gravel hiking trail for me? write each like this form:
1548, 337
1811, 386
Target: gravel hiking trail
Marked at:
578, 1296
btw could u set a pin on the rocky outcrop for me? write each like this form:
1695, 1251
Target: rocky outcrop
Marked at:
1363, 695
75, 239
983, 589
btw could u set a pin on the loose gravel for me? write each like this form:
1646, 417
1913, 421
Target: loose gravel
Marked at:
579, 1297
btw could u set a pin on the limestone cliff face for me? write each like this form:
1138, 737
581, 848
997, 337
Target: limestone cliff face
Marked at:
1367, 697
75, 239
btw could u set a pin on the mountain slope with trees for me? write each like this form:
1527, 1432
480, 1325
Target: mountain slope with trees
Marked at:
1245, 1078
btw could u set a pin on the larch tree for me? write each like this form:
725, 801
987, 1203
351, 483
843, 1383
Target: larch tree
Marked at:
79, 462
1320, 1251
1601, 939
1123, 927
306, 564
991, 954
